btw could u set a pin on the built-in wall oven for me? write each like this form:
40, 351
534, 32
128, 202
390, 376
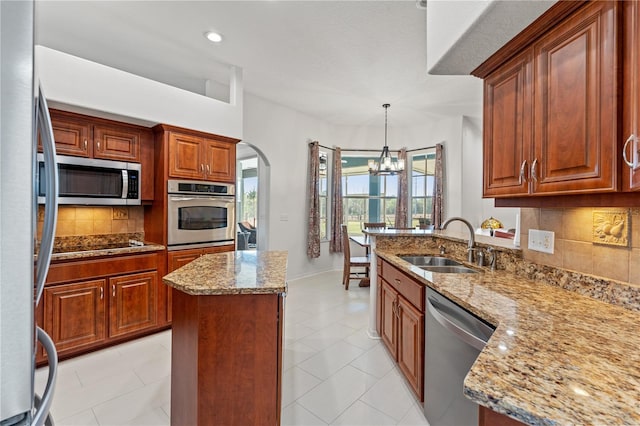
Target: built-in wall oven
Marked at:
200, 214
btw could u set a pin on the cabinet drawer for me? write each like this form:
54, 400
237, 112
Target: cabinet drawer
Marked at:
89, 269
407, 287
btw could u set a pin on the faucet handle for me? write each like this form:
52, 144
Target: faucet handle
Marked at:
493, 257
442, 249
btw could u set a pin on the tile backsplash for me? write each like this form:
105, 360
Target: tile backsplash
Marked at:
574, 247
93, 220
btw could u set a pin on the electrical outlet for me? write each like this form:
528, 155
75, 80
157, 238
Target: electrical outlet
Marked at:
541, 240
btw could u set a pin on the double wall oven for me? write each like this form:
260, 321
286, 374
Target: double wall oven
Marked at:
200, 214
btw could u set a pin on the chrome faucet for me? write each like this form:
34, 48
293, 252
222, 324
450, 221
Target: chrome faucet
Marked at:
472, 240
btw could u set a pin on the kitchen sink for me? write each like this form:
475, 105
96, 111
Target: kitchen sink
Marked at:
439, 264
449, 269
430, 261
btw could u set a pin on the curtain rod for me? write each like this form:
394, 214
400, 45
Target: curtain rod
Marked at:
375, 150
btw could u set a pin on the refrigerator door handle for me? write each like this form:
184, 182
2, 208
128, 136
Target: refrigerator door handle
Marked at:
45, 129
42, 413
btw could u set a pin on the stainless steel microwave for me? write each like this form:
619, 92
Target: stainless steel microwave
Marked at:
92, 181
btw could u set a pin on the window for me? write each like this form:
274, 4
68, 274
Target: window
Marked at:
323, 196
422, 182
366, 198
247, 191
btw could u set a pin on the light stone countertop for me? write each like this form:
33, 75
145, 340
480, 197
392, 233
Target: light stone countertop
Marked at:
90, 253
556, 357
240, 272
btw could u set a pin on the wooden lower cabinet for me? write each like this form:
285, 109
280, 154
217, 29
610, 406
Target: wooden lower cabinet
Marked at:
402, 324
488, 417
133, 303
178, 258
88, 304
75, 314
226, 359
411, 344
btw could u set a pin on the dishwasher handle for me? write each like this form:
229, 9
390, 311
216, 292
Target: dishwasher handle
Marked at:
463, 334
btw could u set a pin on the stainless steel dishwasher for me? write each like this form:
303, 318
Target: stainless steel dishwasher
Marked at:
453, 339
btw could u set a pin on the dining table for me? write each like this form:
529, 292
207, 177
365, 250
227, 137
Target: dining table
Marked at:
362, 241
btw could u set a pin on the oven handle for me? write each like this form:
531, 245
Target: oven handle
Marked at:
195, 198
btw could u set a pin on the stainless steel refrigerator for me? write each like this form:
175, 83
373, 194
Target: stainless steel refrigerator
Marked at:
23, 117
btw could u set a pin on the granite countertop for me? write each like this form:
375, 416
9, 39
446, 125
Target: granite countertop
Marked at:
82, 252
555, 358
240, 272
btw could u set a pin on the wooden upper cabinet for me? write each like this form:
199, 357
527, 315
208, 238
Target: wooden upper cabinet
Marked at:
72, 135
220, 160
575, 103
551, 111
83, 136
631, 95
185, 156
116, 143
201, 158
507, 128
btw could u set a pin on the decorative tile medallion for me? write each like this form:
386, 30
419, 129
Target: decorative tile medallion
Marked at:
120, 213
611, 227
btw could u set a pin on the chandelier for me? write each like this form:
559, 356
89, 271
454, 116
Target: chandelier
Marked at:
386, 165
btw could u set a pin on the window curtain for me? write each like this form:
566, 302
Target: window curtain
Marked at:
335, 246
437, 211
313, 192
402, 206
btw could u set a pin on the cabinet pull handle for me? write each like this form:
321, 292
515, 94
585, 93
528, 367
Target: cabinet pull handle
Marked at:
208, 170
633, 139
397, 281
113, 290
534, 174
85, 144
98, 143
523, 168
201, 168
101, 293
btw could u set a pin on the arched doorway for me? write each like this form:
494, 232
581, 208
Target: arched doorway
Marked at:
252, 188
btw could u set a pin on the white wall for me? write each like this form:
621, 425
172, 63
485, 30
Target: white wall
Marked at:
475, 208
283, 134
97, 89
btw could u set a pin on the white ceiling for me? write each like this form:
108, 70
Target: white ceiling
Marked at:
335, 60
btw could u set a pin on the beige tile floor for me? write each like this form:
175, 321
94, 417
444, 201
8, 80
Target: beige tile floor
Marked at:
333, 373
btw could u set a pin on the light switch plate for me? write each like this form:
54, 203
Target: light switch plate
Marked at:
541, 240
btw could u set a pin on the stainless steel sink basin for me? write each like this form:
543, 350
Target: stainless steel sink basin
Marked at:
430, 261
449, 269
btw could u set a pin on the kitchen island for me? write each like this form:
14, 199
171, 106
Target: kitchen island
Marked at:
226, 356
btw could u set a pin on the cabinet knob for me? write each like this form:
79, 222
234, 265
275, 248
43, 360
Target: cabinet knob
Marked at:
113, 290
101, 293
634, 147
85, 144
523, 171
534, 174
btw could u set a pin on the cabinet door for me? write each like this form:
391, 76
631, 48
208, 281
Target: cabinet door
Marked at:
575, 103
185, 156
508, 128
72, 135
411, 345
389, 320
116, 143
631, 91
133, 303
175, 260
488, 417
74, 314
220, 161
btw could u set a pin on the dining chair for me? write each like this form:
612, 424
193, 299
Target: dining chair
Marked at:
352, 262
374, 225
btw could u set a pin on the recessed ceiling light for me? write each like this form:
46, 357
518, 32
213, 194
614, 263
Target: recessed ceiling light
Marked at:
213, 36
